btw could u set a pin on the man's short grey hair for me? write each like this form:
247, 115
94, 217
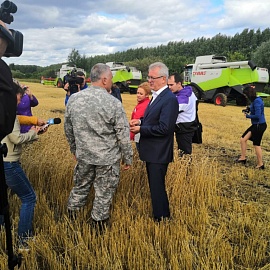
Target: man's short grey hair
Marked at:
98, 70
163, 69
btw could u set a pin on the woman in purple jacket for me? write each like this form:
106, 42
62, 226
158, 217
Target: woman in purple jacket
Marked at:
24, 108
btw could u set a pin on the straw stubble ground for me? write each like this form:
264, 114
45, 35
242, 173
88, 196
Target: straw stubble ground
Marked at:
220, 210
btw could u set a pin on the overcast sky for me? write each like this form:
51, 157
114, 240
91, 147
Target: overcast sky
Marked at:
52, 28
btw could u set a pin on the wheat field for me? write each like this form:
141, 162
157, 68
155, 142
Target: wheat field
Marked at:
220, 210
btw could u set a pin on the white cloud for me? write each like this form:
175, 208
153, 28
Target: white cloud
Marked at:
245, 14
53, 28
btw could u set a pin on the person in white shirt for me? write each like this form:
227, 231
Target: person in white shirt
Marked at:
186, 123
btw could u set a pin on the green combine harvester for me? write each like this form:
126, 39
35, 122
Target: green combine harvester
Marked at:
215, 80
126, 78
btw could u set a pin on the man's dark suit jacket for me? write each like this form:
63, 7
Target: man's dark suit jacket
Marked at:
157, 129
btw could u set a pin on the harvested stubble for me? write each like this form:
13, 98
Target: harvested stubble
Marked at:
220, 210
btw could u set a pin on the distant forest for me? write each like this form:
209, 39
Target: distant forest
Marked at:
248, 45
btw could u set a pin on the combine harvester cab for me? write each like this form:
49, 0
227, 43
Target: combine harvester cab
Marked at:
217, 81
126, 78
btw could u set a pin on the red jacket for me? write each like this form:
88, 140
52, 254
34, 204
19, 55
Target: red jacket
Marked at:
138, 112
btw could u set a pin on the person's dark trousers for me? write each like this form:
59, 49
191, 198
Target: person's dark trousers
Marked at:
184, 141
156, 179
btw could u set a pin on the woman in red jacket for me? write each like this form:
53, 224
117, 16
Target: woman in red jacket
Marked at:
143, 93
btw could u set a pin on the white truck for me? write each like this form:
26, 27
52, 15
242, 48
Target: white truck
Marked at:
215, 80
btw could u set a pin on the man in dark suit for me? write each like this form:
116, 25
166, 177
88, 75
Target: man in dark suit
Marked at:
157, 137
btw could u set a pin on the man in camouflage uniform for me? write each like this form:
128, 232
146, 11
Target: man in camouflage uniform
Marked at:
97, 131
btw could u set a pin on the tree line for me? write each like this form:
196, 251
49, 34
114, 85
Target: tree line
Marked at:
248, 45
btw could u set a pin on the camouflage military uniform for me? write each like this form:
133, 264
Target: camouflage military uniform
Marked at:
97, 131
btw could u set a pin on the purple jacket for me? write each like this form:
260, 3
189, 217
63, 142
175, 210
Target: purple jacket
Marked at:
24, 108
184, 95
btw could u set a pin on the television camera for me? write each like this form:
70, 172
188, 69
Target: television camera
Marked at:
73, 81
14, 48
246, 110
15, 38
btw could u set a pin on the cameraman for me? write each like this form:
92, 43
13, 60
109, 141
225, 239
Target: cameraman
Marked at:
81, 86
8, 97
258, 126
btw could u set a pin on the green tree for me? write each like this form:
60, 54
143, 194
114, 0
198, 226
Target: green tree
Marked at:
74, 58
262, 55
143, 64
17, 74
49, 73
235, 56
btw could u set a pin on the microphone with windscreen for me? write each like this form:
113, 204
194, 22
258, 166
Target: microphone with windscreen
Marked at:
54, 121
51, 121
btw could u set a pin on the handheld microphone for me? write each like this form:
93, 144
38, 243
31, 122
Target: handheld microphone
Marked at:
54, 121
51, 121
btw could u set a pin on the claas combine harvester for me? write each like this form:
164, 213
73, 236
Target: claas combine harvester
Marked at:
215, 80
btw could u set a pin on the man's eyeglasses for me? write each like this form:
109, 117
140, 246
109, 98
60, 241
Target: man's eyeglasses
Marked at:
150, 78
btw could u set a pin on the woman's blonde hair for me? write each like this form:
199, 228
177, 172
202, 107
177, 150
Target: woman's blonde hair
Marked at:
146, 87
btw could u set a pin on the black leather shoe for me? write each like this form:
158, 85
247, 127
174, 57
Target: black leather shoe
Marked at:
260, 168
241, 161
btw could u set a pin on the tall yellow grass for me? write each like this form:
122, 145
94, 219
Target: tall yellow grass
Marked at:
220, 210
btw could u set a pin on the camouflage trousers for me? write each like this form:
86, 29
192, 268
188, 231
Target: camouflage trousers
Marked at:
105, 179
